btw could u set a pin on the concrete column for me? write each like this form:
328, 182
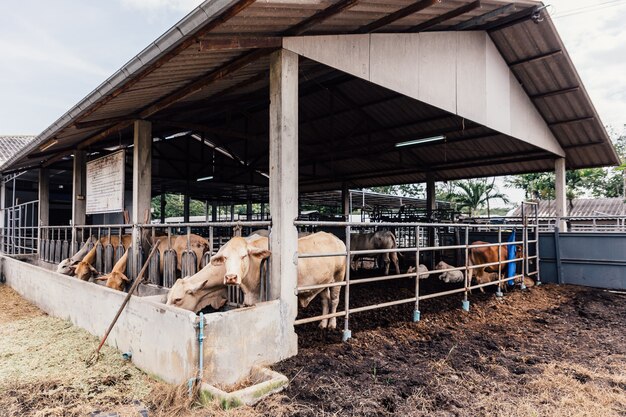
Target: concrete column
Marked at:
142, 171
345, 201
560, 192
186, 209
79, 202
431, 200
284, 189
44, 198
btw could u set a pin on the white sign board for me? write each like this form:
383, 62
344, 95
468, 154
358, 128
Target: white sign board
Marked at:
105, 184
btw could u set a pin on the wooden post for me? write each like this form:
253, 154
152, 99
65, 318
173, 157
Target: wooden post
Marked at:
284, 188
79, 194
44, 198
560, 191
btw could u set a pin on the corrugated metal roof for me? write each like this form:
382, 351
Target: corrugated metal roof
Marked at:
582, 207
347, 126
11, 145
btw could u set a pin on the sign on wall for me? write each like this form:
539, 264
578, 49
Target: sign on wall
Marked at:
105, 184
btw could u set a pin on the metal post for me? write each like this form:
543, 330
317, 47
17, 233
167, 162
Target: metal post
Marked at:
347, 333
537, 243
499, 291
416, 312
524, 246
466, 304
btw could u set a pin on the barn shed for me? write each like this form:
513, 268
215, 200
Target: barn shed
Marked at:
256, 102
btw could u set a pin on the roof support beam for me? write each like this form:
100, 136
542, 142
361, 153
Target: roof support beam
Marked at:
511, 20
577, 120
555, 93
320, 17
102, 122
444, 17
225, 43
397, 15
536, 58
480, 20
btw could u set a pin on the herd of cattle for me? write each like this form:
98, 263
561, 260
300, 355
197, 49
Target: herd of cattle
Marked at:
239, 262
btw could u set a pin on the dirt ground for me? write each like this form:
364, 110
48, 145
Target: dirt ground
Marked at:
549, 351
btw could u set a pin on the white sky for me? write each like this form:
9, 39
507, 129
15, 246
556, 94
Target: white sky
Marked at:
53, 53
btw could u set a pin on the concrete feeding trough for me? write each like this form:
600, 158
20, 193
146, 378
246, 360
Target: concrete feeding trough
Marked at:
261, 383
162, 340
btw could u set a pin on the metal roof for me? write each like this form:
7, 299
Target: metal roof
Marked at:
12, 144
582, 207
209, 74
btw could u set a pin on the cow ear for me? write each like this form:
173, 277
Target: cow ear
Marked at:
258, 252
124, 278
104, 278
217, 259
92, 269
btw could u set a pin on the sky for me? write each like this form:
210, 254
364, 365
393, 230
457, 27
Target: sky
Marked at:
54, 53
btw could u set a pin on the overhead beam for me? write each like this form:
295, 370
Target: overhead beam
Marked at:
444, 17
576, 120
536, 58
102, 122
225, 43
482, 19
319, 17
397, 15
511, 20
554, 93
198, 127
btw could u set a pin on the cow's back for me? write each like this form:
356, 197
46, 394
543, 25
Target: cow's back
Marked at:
321, 270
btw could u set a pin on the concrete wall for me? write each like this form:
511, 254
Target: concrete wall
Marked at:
162, 339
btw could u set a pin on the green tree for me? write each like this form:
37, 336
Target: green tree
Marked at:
174, 206
475, 194
406, 190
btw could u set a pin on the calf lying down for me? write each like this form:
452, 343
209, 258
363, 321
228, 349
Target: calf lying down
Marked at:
449, 277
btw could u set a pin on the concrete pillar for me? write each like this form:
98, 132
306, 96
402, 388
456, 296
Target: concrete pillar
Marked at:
142, 171
186, 208
345, 201
79, 202
284, 189
44, 198
560, 189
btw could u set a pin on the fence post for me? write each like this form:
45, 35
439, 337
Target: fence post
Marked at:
499, 291
347, 333
466, 304
416, 312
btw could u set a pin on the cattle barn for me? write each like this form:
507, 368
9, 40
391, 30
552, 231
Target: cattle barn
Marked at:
256, 102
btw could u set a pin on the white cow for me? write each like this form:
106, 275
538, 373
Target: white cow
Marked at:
449, 277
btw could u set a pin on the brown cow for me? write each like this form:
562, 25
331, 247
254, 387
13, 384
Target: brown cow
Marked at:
485, 255
117, 279
178, 243
242, 261
66, 264
84, 269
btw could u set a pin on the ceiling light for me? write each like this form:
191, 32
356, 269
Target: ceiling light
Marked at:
419, 141
205, 178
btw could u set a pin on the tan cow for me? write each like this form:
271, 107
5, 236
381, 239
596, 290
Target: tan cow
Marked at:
242, 259
382, 239
189, 292
178, 243
485, 255
84, 269
116, 279
66, 264
450, 277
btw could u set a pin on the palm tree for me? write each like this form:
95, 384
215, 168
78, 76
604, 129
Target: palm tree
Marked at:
474, 194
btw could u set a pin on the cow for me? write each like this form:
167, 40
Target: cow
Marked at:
382, 239
449, 277
178, 243
241, 260
266, 233
207, 286
485, 255
65, 265
84, 269
422, 270
116, 279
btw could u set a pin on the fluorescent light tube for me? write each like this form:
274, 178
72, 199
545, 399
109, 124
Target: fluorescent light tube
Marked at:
205, 178
419, 141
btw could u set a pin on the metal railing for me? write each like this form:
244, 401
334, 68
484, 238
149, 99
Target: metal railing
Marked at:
420, 248
20, 232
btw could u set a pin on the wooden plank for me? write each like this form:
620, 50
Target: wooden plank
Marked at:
397, 15
446, 16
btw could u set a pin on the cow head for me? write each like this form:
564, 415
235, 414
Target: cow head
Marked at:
66, 267
235, 256
192, 296
115, 280
84, 270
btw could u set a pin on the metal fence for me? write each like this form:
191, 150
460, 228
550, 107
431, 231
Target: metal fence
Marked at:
20, 232
527, 237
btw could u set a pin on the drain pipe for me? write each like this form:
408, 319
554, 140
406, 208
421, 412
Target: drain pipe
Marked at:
200, 375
